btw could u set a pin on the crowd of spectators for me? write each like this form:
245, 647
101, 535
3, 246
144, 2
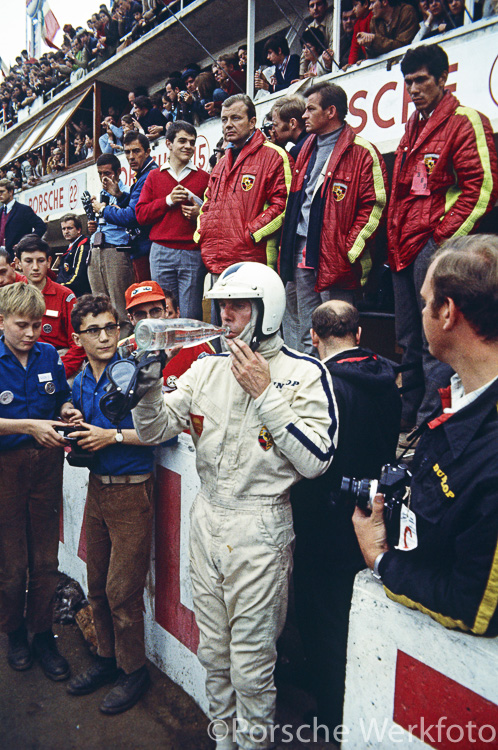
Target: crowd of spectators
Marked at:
369, 28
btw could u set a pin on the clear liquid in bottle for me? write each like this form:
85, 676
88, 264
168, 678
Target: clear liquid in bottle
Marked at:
165, 333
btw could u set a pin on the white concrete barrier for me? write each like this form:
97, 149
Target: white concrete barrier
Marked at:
171, 634
411, 683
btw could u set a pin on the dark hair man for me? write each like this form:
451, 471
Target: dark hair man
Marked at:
16, 219
247, 192
73, 265
35, 256
450, 568
286, 66
175, 91
110, 271
445, 180
393, 25
122, 214
170, 203
327, 556
348, 19
119, 488
269, 435
322, 19
288, 124
329, 220
33, 393
147, 115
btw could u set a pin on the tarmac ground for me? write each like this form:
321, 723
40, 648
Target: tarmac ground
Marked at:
38, 714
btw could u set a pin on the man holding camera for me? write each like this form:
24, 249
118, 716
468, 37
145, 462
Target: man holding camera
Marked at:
119, 515
446, 563
122, 214
109, 271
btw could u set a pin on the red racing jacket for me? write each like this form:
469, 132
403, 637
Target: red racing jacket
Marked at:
244, 205
445, 179
349, 201
56, 325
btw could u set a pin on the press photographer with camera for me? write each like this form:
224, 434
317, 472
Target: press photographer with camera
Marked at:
109, 271
446, 561
119, 515
122, 213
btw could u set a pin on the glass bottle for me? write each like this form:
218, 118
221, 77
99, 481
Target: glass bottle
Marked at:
165, 333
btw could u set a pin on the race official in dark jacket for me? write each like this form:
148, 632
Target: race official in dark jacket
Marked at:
137, 151
16, 219
73, 265
449, 569
327, 556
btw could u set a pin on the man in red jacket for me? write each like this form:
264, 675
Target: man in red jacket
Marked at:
34, 256
445, 179
338, 196
170, 201
247, 193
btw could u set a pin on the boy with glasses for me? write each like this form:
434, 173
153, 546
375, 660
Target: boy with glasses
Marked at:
119, 515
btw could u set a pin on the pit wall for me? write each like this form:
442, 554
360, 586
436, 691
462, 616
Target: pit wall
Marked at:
410, 682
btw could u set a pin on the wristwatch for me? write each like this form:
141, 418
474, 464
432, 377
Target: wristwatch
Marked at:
375, 571
118, 437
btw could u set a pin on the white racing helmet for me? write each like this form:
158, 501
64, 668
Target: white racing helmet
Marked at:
254, 281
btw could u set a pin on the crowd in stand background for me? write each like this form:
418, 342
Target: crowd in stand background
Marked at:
369, 28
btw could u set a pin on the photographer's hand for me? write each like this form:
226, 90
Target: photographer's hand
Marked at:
371, 531
111, 186
93, 438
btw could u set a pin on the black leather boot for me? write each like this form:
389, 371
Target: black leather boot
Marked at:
128, 689
54, 666
19, 655
102, 672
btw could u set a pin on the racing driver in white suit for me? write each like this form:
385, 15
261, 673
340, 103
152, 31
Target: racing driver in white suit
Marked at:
261, 417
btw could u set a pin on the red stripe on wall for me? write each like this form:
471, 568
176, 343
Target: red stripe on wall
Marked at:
171, 614
441, 712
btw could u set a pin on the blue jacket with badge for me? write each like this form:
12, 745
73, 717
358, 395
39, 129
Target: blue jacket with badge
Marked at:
35, 392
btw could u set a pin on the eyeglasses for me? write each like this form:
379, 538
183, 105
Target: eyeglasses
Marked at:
95, 331
156, 312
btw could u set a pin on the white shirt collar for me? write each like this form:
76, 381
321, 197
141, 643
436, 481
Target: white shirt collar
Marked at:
10, 205
459, 398
190, 167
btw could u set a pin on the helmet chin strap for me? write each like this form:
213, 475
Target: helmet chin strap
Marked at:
251, 335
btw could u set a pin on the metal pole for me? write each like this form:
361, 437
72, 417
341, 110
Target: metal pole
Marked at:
336, 37
251, 29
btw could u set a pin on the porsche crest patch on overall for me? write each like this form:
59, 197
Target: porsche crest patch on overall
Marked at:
430, 162
339, 190
197, 423
248, 181
265, 439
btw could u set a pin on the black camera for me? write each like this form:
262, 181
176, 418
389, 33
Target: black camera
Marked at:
77, 456
86, 200
394, 484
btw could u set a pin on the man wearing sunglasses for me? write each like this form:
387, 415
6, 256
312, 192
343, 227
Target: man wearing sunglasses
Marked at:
147, 300
119, 514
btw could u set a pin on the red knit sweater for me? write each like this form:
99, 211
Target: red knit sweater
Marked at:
169, 226
356, 52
